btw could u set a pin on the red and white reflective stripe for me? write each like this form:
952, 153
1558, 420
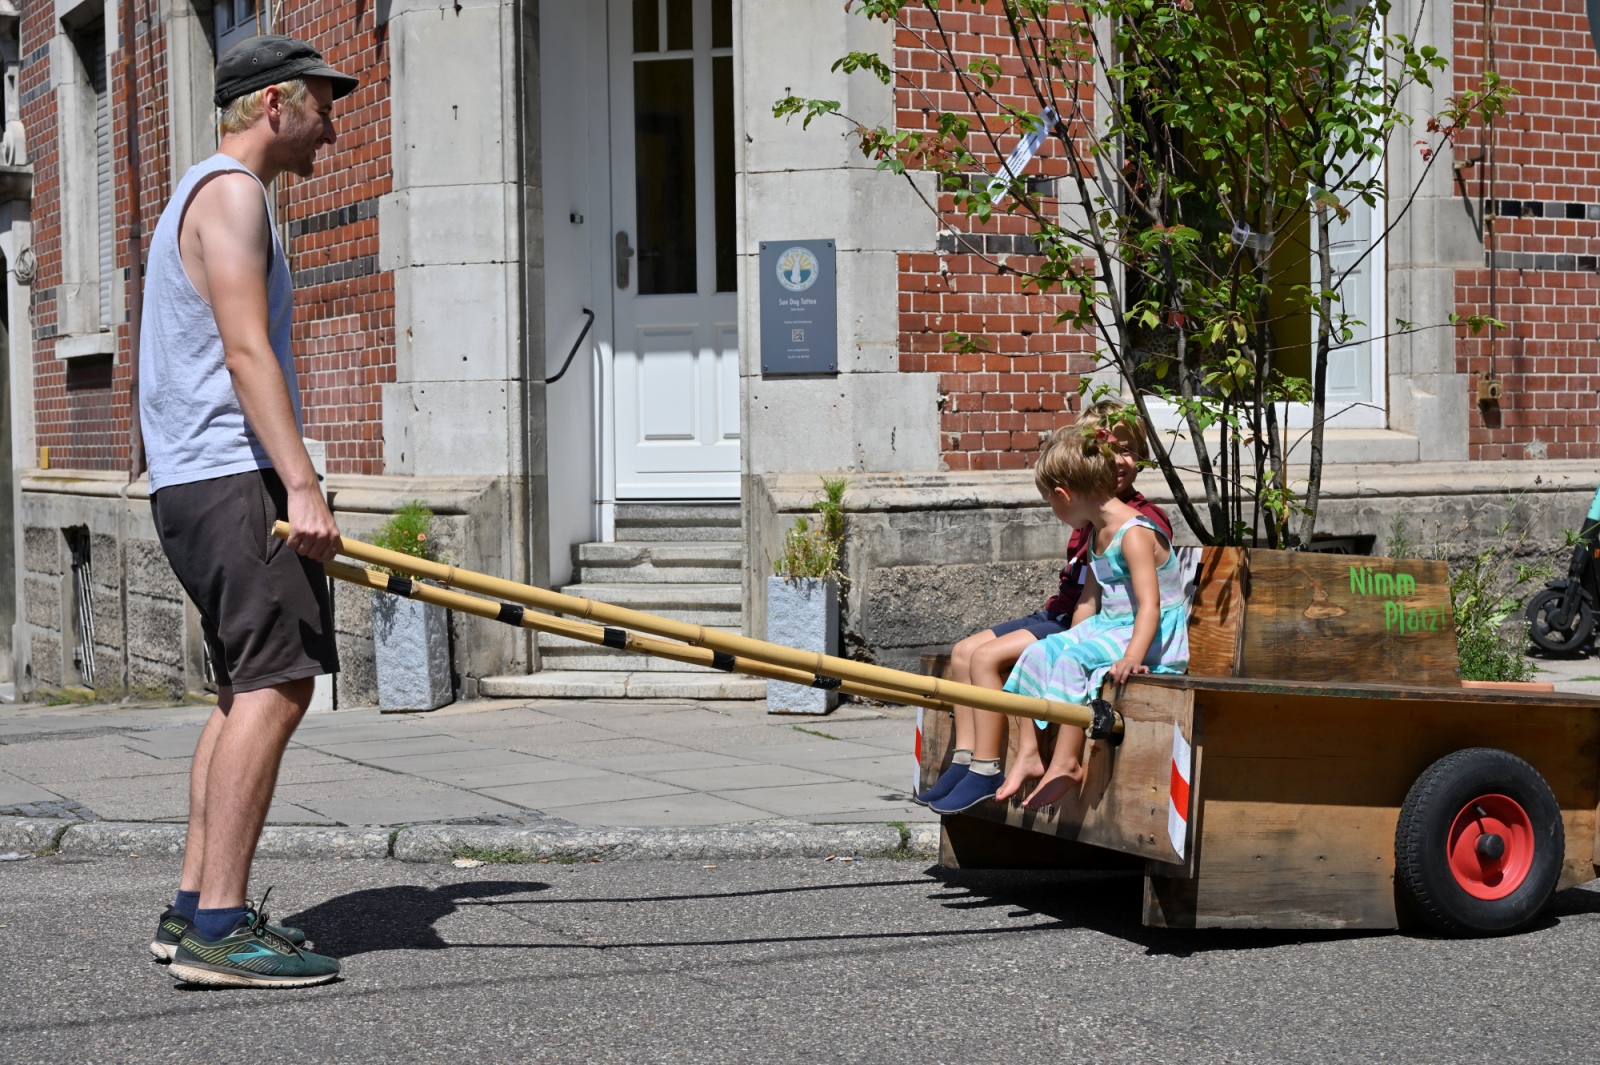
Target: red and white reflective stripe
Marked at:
1178, 791
916, 765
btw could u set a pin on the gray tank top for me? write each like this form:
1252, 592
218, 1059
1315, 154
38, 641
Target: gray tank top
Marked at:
194, 429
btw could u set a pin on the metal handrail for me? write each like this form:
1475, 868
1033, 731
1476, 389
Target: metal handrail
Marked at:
576, 344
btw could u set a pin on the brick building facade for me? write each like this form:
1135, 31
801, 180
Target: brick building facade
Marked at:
528, 292
1545, 210
344, 313
994, 404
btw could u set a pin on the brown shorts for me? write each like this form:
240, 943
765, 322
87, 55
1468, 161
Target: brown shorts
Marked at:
265, 610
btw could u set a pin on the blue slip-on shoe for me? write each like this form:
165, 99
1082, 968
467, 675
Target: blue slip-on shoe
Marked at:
973, 789
941, 787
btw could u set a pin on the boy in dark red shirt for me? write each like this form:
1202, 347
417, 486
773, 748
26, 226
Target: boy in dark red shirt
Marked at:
985, 658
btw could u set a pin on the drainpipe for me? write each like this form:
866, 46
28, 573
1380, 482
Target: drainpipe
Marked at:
135, 247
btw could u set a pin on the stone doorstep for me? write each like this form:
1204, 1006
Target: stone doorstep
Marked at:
668, 552
444, 843
617, 684
682, 598
565, 653
668, 522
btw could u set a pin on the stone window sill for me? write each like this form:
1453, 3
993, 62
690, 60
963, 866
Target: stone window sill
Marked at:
88, 346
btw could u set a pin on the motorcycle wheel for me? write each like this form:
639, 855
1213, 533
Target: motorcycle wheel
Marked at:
1542, 609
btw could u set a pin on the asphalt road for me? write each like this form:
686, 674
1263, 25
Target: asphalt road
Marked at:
778, 961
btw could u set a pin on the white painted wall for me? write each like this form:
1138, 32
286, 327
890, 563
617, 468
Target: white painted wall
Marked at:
574, 158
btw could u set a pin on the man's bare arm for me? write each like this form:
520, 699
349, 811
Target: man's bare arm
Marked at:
227, 221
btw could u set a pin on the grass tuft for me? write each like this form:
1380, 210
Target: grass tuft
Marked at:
496, 855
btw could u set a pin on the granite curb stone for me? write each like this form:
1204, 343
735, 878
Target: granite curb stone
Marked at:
105, 839
30, 835
444, 843
295, 841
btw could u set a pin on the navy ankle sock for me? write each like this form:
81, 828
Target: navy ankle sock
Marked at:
188, 902
214, 924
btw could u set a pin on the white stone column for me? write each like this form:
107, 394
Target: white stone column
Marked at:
815, 184
1428, 399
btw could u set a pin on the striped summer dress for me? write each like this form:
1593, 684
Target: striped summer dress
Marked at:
1070, 666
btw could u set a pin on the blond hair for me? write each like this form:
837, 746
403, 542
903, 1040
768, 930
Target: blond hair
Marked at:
1129, 428
1076, 459
241, 113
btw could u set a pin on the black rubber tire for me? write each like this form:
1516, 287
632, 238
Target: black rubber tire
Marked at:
1421, 863
1553, 640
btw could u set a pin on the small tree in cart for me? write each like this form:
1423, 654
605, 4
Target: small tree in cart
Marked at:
1215, 149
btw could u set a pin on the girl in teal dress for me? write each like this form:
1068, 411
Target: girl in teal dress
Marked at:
1136, 588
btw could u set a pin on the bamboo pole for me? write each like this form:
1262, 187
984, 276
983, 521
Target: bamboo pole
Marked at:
811, 662
578, 630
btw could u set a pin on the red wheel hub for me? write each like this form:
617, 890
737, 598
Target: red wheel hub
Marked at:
1491, 847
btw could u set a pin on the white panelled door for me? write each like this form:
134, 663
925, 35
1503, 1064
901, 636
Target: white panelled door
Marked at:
676, 351
1356, 367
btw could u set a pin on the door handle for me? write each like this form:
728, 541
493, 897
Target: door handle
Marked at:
624, 253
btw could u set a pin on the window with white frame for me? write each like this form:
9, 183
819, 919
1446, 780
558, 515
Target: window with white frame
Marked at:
234, 21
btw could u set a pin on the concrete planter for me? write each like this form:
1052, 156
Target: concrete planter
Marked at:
411, 643
802, 613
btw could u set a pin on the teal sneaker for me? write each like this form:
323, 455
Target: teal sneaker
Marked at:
252, 955
172, 925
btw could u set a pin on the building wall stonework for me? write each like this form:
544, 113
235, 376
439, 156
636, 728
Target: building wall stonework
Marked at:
147, 633
931, 558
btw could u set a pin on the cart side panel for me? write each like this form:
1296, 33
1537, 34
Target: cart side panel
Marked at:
1217, 614
1122, 804
1321, 617
1301, 796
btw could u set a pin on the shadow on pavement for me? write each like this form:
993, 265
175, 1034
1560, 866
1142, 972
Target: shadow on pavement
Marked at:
1111, 903
395, 918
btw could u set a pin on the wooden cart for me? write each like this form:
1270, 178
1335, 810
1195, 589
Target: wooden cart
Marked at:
1321, 766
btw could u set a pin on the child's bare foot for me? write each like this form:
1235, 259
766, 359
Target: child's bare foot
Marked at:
1025, 765
1054, 786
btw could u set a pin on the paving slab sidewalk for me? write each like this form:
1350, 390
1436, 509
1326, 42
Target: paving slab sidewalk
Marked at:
555, 764
518, 779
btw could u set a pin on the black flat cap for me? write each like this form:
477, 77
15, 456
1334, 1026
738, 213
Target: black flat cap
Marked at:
269, 59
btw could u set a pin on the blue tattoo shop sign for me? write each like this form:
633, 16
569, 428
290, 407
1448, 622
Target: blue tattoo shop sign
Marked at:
799, 308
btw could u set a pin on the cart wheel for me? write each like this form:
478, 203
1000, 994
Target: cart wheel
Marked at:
1542, 607
1479, 845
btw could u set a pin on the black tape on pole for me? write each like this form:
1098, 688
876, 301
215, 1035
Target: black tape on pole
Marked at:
827, 684
1105, 721
511, 614
400, 586
616, 638
722, 660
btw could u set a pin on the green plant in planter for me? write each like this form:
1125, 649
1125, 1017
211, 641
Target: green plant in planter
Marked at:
1487, 590
408, 531
815, 552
